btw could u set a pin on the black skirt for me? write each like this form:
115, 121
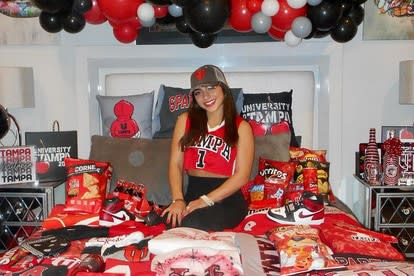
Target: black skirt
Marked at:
226, 214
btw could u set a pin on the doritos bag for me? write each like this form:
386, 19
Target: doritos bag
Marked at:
86, 184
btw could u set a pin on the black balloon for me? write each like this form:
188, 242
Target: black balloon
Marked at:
321, 34
357, 14
346, 6
160, 2
325, 15
203, 40
181, 3
51, 22
207, 16
51, 6
82, 6
345, 30
315, 33
4, 123
73, 22
182, 25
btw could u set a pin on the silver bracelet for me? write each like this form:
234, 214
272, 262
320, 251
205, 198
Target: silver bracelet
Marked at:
207, 200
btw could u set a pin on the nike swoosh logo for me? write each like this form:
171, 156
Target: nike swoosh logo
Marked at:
123, 217
302, 215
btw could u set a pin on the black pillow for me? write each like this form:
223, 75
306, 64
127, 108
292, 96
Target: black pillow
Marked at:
270, 108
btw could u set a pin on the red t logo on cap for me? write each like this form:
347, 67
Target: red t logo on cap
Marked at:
200, 74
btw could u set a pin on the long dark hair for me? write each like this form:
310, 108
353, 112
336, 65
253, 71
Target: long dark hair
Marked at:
198, 121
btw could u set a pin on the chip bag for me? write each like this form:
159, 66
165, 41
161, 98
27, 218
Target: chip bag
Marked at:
271, 183
274, 171
322, 174
86, 184
301, 250
304, 154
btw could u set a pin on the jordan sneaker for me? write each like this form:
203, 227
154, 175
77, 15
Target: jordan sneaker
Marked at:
309, 210
113, 212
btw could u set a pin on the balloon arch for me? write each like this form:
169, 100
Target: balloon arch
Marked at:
290, 21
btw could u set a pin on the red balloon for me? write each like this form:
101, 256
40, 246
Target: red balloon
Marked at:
125, 33
160, 11
134, 22
240, 17
283, 19
94, 15
254, 5
276, 34
119, 11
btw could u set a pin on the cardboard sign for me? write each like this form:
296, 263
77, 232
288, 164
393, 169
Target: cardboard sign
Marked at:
51, 148
17, 165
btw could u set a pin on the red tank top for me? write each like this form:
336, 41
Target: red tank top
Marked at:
212, 153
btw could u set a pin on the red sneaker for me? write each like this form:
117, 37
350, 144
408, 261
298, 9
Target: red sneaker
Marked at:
309, 210
113, 212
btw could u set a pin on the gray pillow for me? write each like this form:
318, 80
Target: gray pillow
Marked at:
274, 147
136, 160
172, 101
134, 115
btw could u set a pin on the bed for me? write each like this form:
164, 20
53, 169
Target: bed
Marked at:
258, 246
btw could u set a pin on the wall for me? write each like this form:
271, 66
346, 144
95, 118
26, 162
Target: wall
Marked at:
362, 81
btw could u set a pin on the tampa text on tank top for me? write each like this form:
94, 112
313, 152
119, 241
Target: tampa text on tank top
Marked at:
212, 153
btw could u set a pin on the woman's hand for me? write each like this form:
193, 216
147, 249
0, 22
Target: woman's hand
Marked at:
194, 205
175, 212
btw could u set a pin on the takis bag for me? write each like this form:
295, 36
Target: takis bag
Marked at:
51, 148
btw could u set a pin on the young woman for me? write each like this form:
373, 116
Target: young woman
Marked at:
214, 146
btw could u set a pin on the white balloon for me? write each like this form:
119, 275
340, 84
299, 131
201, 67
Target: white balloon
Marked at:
296, 4
147, 23
145, 12
175, 11
291, 39
270, 7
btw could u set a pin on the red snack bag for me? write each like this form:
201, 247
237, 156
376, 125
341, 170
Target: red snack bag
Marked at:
86, 184
301, 250
310, 179
294, 192
276, 190
272, 171
304, 154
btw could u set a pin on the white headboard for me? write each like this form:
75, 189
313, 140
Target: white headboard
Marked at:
117, 82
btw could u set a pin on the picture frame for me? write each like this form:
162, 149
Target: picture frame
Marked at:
386, 20
404, 133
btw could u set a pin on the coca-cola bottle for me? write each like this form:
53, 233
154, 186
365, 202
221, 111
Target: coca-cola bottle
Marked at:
372, 166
